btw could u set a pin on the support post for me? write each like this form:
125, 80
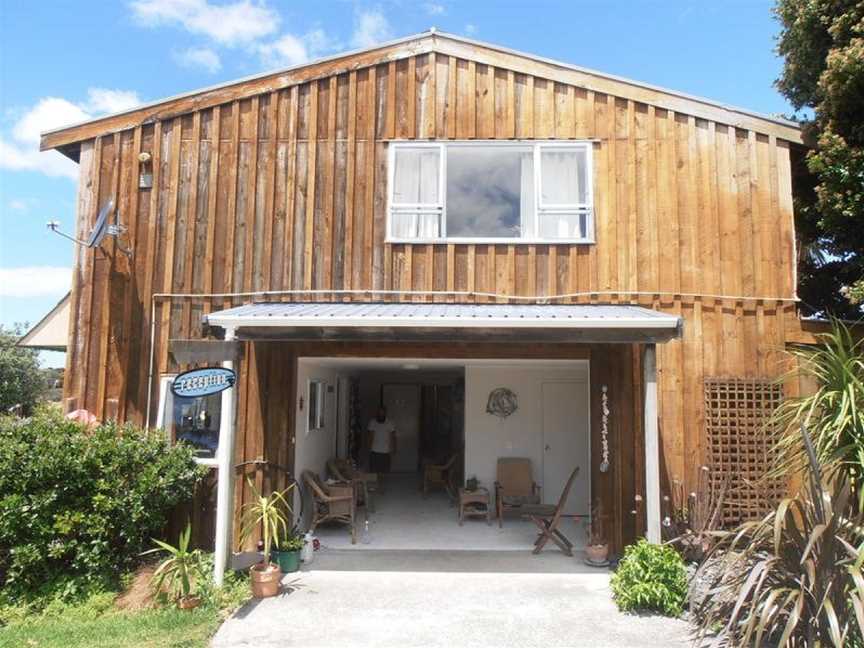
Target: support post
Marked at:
652, 446
225, 478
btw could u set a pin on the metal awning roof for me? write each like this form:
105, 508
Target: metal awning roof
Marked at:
335, 319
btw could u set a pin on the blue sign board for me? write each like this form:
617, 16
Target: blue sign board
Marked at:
203, 382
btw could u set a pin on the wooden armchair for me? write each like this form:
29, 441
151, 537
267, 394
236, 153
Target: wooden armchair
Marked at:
331, 503
515, 488
365, 483
440, 475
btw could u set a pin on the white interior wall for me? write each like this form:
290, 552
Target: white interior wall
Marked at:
313, 448
488, 437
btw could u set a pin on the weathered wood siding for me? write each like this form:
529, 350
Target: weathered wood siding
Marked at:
286, 190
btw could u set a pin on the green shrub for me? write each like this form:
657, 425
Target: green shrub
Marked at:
78, 506
650, 577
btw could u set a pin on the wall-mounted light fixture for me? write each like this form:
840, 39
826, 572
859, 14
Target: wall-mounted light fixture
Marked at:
145, 170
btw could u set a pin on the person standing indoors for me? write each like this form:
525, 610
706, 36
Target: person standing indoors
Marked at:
382, 442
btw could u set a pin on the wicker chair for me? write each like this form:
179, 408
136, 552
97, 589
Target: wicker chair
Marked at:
365, 483
440, 475
331, 503
515, 488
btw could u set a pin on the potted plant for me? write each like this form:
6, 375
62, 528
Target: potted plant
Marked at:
270, 512
175, 576
597, 550
287, 552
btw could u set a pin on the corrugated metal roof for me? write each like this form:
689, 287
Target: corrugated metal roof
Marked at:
411, 314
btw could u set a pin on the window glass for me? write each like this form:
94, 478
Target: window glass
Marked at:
563, 174
193, 420
316, 404
415, 178
568, 225
490, 191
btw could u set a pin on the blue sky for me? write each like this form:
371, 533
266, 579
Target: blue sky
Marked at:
64, 61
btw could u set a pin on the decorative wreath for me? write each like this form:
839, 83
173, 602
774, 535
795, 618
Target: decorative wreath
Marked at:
502, 402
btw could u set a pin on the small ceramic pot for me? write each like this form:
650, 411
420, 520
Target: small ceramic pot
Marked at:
597, 553
265, 580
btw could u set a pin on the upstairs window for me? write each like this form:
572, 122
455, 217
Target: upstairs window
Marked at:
490, 191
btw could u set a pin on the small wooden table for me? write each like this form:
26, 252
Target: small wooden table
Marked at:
474, 504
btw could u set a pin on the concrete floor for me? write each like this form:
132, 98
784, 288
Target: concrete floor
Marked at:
378, 599
404, 520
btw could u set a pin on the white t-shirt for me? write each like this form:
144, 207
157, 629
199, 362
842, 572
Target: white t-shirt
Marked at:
382, 432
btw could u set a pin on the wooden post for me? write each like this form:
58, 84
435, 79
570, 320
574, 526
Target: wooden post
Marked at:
225, 478
652, 446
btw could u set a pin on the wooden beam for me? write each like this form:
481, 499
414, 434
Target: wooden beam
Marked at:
652, 445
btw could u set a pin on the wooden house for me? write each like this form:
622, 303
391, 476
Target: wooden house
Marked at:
440, 202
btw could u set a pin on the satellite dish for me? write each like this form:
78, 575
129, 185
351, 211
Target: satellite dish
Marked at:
100, 229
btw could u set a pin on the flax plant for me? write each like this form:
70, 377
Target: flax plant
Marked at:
269, 511
794, 578
833, 414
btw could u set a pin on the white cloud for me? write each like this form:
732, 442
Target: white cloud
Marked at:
105, 101
470, 29
35, 281
371, 28
434, 9
48, 113
21, 152
199, 57
230, 24
290, 49
18, 205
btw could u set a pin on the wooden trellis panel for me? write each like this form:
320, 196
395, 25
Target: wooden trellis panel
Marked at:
740, 441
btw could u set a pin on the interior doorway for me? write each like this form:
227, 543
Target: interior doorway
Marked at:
402, 403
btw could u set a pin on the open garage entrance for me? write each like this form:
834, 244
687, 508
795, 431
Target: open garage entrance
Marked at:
445, 413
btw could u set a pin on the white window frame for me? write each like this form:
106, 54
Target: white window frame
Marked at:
539, 209
166, 398
416, 209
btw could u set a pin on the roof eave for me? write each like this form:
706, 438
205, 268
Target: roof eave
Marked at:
65, 138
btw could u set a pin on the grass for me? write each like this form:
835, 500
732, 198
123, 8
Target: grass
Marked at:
95, 622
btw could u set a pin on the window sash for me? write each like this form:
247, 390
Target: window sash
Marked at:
416, 213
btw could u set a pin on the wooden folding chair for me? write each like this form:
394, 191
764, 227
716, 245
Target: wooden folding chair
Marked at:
548, 518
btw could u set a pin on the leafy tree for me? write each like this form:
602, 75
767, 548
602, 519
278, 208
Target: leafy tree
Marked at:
21, 379
822, 44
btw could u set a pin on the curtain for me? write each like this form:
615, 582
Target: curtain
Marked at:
416, 177
562, 178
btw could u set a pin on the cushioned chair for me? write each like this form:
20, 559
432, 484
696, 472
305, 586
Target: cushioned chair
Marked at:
331, 503
515, 488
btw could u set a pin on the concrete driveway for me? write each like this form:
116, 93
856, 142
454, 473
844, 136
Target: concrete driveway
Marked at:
447, 599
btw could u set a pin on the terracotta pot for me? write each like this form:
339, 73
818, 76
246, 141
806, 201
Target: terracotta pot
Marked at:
189, 602
265, 580
597, 553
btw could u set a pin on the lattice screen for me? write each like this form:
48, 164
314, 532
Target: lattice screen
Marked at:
737, 413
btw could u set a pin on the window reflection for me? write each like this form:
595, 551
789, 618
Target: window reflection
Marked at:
490, 191
195, 421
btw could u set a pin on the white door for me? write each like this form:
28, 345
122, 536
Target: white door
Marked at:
403, 410
566, 441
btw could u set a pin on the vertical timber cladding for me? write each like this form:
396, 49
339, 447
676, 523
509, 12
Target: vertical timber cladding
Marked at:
281, 184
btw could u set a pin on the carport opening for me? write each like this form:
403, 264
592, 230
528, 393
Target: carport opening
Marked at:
438, 410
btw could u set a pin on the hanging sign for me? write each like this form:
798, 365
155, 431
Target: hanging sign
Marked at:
203, 382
